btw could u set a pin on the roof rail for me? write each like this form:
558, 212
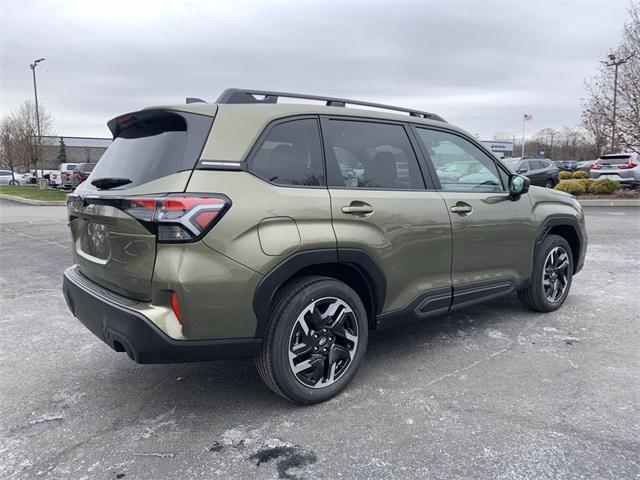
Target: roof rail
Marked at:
238, 95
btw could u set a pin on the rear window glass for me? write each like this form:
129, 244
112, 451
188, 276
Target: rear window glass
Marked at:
617, 160
152, 145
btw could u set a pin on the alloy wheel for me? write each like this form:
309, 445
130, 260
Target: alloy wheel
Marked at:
555, 279
323, 342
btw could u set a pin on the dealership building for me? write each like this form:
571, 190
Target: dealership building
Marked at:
500, 149
78, 150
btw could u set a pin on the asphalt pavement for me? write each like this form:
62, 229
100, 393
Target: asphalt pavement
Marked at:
491, 392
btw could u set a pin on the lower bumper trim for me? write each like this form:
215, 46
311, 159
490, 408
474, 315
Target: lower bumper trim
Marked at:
124, 329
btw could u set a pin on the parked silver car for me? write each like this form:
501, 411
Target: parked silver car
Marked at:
16, 179
621, 167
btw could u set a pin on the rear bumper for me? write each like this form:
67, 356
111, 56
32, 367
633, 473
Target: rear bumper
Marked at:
108, 317
615, 176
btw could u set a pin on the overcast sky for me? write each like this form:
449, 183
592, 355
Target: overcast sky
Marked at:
479, 64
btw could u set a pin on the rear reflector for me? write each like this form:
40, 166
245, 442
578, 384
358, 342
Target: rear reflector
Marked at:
176, 307
178, 217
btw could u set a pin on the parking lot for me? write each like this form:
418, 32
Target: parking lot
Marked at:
494, 391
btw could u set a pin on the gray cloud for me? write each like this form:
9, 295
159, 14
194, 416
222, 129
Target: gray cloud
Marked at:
481, 65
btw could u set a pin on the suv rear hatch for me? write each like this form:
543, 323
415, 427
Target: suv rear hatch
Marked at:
114, 215
620, 165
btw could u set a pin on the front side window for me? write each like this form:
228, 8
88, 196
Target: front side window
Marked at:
290, 154
459, 164
370, 155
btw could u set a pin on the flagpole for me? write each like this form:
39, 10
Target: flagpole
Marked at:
524, 118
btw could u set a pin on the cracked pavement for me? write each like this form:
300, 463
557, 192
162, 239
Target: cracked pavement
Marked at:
494, 391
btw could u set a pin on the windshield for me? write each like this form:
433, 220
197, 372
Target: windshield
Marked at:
511, 163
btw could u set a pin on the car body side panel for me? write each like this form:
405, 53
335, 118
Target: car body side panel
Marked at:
215, 293
408, 235
495, 241
254, 201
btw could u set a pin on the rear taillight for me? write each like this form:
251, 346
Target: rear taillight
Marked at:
629, 165
178, 217
596, 167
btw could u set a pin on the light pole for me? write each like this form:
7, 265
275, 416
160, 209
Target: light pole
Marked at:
553, 134
615, 64
35, 93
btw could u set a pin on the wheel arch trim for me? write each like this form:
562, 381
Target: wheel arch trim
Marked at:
359, 260
564, 221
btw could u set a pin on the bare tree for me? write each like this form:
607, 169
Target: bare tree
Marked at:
597, 116
19, 142
564, 144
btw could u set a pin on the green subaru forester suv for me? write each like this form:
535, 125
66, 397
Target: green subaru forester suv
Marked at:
288, 231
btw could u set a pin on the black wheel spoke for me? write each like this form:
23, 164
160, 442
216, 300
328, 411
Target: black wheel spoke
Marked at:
555, 274
323, 342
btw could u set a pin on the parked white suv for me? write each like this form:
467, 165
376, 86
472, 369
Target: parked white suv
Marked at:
621, 167
57, 178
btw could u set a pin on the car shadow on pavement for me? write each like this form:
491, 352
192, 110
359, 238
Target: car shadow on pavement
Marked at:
235, 386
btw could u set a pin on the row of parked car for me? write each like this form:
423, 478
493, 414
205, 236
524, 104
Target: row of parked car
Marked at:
620, 167
70, 175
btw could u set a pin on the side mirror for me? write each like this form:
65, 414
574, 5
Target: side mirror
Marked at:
518, 185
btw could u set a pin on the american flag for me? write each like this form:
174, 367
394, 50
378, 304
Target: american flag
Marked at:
527, 117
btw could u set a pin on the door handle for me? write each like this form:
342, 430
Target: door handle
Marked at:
462, 208
357, 208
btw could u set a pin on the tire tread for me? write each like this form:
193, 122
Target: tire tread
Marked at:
287, 295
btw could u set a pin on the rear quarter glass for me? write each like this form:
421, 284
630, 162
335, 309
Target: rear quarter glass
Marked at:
152, 144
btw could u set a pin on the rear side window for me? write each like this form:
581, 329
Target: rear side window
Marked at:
370, 155
151, 144
290, 154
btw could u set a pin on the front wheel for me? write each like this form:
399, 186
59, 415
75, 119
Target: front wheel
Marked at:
551, 277
316, 340
549, 184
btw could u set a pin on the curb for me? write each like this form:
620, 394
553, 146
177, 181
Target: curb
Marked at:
29, 201
619, 202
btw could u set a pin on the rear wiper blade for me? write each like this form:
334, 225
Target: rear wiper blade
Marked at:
109, 182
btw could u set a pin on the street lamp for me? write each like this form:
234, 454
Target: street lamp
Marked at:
615, 64
35, 93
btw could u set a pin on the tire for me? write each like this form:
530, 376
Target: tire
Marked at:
541, 294
14, 182
549, 184
332, 347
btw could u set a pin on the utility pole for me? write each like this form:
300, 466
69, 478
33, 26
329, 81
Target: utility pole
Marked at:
615, 64
35, 93
553, 134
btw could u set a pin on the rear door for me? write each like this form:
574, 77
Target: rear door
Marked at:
153, 152
493, 236
380, 204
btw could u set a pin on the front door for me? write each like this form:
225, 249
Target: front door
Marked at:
493, 236
380, 204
